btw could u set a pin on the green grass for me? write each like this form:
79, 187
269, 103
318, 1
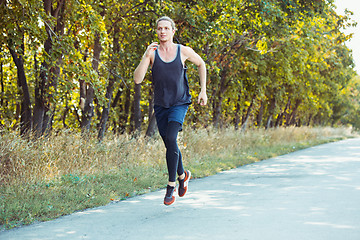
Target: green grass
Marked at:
44, 179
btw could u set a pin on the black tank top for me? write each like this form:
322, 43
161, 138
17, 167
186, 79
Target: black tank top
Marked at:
170, 81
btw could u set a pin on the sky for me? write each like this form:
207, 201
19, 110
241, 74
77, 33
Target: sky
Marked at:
354, 43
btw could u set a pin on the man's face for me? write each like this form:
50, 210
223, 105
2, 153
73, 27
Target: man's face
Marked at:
165, 31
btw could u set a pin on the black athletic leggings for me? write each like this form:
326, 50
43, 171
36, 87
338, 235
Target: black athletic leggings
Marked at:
173, 154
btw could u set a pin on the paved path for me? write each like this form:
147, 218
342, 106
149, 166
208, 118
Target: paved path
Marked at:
311, 194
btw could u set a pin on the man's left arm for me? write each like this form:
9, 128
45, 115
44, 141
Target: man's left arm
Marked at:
193, 57
202, 99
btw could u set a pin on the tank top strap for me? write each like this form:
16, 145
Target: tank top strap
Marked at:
179, 50
179, 54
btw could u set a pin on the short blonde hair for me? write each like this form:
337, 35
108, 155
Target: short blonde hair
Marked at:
165, 18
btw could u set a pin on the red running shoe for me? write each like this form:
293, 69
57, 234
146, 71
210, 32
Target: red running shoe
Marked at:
169, 198
183, 184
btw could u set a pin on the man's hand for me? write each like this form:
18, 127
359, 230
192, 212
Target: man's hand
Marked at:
151, 49
202, 99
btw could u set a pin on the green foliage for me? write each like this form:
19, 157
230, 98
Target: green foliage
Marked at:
283, 62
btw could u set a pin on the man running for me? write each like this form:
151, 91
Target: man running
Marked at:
171, 96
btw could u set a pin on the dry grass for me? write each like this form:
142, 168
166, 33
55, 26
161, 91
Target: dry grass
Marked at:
47, 178
69, 153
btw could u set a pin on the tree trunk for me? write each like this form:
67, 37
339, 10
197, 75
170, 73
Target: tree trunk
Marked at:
64, 115
88, 111
110, 87
124, 115
113, 105
43, 111
292, 117
247, 116
39, 109
268, 122
309, 120
270, 112
217, 104
25, 111
260, 115
151, 102
237, 115
2, 84
217, 111
137, 109
82, 87
117, 98
106, 109
279, 119
151, 129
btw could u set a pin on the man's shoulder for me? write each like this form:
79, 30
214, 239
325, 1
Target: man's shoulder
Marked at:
186, 50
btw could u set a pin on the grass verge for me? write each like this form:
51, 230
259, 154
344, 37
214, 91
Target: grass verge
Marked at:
48, 178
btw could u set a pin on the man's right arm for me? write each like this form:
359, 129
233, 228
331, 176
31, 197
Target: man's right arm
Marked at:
144, 64
141, 70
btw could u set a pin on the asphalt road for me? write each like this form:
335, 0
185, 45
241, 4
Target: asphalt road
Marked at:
311, 194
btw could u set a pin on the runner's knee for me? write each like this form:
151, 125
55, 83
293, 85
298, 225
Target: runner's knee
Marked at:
171, 134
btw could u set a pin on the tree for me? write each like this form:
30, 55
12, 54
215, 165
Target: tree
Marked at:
69, 64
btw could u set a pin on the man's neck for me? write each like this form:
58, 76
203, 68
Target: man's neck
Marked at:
166, 46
